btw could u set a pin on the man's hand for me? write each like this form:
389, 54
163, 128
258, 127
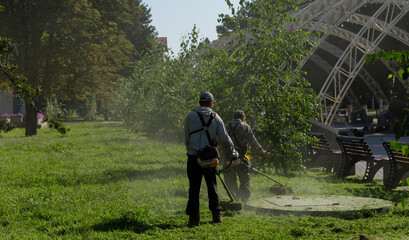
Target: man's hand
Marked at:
236, 162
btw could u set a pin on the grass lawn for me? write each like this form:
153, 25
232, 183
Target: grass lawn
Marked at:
102, 182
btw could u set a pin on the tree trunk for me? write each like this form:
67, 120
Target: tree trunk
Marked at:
31, 121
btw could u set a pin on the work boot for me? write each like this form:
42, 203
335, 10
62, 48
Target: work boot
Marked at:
217, 216
194, 220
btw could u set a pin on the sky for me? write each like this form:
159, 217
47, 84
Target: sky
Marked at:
176, 18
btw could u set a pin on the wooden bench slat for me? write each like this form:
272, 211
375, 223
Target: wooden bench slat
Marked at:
402, 158
320, 147
398, 162
402, 162
357, 149
351, 140
353, 146
352, 151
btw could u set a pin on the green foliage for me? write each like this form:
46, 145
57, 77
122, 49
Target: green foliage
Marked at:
21, 87
402, 58
19, 83
399, 57
402, 127
6, 126
56, 124
401, 205
244, 13
91, 109
159, 93
74, 50
246, 73
53, 107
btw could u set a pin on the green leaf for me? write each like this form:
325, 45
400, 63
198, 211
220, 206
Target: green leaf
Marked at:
389, 55
368, 58
404, 202
398, 57
390, 76
405, 150
401, 72
379, 55
395, 145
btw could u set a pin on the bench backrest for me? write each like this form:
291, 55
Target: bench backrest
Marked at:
355, 147
321, 145
396, 155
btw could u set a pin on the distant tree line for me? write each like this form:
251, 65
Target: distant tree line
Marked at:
75, 50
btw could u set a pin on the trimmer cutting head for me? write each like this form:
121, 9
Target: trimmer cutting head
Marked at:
229, 205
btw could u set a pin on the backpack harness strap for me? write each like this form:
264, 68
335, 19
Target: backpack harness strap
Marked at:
205, 127
234, 138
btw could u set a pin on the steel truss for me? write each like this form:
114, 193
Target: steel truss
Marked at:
342, 76
370, 82
328, 15
391, 65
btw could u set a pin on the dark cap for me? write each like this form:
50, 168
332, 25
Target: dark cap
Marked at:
239, 114
206, 97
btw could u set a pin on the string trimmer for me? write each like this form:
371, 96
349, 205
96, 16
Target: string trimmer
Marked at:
228, 205
280, 189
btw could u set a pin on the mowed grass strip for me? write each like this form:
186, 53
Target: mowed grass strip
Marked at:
102, 182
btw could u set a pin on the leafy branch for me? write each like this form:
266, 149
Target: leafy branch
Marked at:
403, 125
21, 86
403, 72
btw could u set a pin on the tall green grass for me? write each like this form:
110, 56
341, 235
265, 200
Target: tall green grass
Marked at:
102, 182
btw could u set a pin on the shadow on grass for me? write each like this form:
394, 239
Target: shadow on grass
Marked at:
116, 175
104, 177
127, 223
357, 187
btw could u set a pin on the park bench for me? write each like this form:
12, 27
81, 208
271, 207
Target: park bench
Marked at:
355, 149
320, 153
397, 167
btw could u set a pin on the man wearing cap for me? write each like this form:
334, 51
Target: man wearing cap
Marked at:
243, 137
196, 139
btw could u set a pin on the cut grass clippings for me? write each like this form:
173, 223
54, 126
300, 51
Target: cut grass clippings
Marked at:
102, 182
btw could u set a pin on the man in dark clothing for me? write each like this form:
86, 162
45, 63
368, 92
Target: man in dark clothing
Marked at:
243, 137
196, 139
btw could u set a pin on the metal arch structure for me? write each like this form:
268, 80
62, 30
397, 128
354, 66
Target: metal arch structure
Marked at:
392, 66
395, 32
330, 22
328, 15
327, 12
368, 79
334, 89
322, 63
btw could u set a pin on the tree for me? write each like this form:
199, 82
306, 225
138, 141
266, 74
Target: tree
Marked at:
72, 49
279, 98
246, 74
20, 86
244, 13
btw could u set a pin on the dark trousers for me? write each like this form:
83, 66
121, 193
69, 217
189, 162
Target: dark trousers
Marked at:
195, 174
242, 192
